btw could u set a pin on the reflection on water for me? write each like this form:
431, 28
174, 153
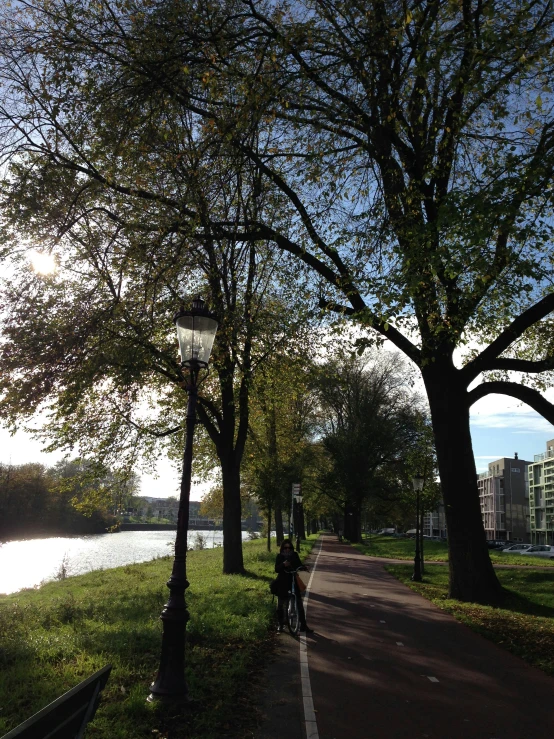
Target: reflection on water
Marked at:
26, 564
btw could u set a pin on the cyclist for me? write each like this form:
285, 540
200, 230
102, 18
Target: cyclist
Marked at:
288, 559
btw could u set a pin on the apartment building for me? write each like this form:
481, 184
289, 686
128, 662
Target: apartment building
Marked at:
504, 499
540, 485
434, 522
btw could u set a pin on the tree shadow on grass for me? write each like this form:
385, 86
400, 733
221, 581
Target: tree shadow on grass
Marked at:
518, 603
255, 576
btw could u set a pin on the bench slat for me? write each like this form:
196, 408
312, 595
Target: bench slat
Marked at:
67, 716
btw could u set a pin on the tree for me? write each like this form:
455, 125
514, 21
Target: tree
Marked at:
410, 145
104, 349
369, 423
90, 487
23, 497
280, 450
66, 498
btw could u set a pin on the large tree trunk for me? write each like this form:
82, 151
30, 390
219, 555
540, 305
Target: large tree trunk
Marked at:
233, 563
352, 523
421, 540
279, 524
472, 577
301, 521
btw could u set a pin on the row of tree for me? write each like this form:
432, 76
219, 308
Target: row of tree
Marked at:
351, 431
392, 163
73, 497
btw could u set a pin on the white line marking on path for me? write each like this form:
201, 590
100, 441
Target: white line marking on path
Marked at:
309, 713
382, 622
432, 679
400, 644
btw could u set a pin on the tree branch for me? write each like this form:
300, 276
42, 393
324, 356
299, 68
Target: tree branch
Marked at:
386, 330
528, 395
488, 359
524, 365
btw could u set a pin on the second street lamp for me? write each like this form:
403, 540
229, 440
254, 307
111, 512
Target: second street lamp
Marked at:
196, 330
417, 482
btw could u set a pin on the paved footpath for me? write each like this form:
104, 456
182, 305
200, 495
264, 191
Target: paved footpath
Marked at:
384, 663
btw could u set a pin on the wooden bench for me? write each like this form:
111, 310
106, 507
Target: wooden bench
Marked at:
68, 715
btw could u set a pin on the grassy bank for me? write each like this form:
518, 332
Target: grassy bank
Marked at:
54, 637
524, 624
400, 548
435, 551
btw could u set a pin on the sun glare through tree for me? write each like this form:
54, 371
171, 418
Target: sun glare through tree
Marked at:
42, 263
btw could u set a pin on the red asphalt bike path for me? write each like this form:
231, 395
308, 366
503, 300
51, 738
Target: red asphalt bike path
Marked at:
386, 663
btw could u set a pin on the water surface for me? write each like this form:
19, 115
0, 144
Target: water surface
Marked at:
29, 563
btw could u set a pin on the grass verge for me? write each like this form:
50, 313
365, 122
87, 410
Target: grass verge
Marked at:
436, 551
56, 636
524, 624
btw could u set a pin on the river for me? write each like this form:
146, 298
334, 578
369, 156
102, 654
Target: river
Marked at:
32, 562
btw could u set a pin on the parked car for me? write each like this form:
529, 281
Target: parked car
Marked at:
540, 550
497, 543
517, 548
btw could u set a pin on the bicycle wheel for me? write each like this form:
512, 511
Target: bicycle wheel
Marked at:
293, 621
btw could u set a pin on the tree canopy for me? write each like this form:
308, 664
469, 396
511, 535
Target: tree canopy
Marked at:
405, 152
372, 430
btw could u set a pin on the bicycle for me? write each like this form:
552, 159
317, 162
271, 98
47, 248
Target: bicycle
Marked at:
292, 614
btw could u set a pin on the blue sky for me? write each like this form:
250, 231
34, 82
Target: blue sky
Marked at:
501, 426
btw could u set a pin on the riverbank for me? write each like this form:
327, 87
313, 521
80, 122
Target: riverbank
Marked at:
54, 637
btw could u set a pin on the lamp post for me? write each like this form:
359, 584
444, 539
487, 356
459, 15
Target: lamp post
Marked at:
295, 493
196, 330
417, 482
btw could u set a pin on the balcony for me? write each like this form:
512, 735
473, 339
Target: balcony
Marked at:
543, 456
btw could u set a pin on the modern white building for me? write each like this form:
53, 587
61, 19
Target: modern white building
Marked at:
540, 486
504, 500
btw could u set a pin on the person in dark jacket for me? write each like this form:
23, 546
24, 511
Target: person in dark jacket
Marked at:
285, 563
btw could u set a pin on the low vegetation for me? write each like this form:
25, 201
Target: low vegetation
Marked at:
524, 624
436, 551
54, 637
401, 548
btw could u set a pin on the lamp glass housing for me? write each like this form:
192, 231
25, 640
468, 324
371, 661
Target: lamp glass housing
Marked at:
417, 482
196, 331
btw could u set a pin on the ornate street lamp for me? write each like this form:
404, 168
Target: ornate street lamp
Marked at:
196, 330
417, 482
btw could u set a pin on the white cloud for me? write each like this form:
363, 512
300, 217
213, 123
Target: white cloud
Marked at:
504, 412
518, 423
